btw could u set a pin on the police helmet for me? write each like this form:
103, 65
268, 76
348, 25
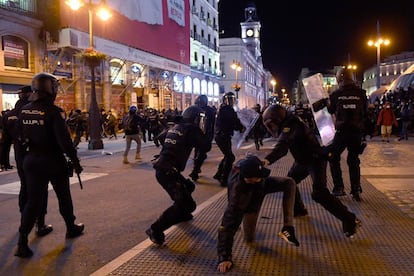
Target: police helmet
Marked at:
132, 109
229, 98
273, 116
201, 101
45, 83
344, 75
25, 92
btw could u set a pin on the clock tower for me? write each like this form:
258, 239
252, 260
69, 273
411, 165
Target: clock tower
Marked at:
250, 30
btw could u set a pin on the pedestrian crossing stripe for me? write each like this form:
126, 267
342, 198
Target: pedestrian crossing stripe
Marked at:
13, 188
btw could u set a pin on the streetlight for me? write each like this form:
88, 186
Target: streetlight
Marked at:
273, 83
235, 65
93, 59
353, 68
380, 41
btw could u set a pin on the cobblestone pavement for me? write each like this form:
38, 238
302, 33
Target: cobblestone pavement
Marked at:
390, 168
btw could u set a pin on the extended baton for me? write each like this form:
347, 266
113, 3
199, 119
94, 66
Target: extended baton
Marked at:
80, 181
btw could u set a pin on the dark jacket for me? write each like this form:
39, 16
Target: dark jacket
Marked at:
298, 138
242, 198
227, 121
177, 143
131, 124
43, 130
210, 121
349, 104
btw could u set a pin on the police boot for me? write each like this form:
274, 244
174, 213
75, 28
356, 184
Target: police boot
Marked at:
249, 226
23, 250
74, 230
42, 228
125, 161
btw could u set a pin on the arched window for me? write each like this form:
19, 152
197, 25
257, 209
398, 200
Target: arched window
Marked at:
210, 88
188, 86
118, 71
196, 86
204, 87
16, 52
216, 89
136, 71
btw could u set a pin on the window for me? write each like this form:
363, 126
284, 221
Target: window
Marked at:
16, 52
195, 56
117, 72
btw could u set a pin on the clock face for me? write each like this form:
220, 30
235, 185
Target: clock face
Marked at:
249, 32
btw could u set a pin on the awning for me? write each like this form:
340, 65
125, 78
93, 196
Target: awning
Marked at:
404, 80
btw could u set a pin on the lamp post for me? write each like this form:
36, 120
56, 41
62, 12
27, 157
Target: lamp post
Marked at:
235, 65
273, 83
93, 59
377, 43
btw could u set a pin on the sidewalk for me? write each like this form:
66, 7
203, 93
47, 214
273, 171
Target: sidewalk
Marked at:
383, 246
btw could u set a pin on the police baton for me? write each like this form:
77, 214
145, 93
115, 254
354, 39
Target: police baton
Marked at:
80, 181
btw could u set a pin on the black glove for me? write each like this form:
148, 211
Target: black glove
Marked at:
320, 104
77, 167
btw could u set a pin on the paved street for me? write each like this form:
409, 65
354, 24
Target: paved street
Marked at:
119, 201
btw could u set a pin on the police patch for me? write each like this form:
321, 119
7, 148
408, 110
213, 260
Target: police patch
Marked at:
286, 129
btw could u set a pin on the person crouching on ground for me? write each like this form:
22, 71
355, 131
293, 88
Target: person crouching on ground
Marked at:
248, 184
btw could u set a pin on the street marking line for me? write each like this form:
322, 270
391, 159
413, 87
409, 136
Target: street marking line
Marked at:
129, 254
13, 188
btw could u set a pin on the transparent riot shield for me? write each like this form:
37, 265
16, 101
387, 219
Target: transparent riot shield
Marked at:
315, 91
248, 118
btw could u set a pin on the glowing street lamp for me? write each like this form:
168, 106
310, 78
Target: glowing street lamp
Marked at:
273, 83
235, 65
377, 43
93, 59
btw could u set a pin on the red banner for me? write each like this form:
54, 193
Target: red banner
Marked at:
154, 26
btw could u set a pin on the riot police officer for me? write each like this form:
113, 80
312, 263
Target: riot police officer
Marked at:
349, 104
309, 159
208, 129
10, 130
226, 123
177, 144
44, 133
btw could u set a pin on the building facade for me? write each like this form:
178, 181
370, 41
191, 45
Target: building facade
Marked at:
241, 62
390, 69
205, 74
21, 48
160, 54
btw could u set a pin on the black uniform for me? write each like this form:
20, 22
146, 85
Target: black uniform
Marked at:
19, 152
226, 123
178, 143
309, 160
246, 199
349, 104
43, 130
6, 141
200, 156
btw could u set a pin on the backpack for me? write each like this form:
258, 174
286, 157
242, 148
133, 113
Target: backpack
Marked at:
129, 122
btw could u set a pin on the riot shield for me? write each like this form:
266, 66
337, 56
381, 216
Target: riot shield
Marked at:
248, 118
315, 91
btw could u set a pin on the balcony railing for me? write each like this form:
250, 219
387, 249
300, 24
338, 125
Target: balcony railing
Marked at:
26, 7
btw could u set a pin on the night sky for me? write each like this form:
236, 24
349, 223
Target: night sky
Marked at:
320, 34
